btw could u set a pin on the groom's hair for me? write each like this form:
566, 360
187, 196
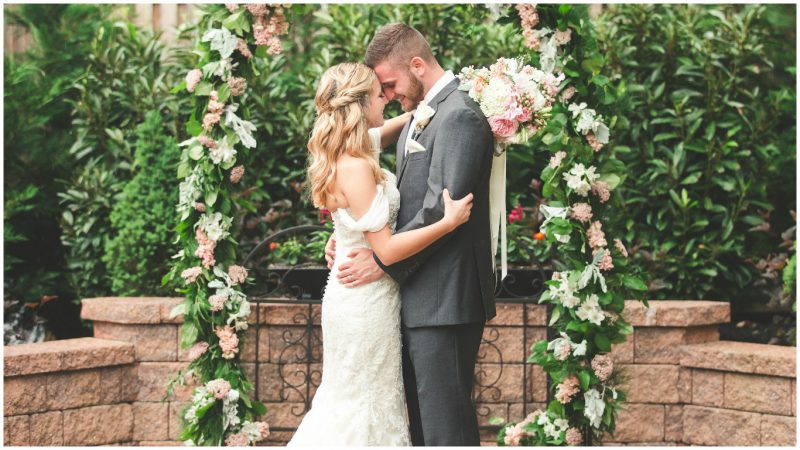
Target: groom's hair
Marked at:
398, 43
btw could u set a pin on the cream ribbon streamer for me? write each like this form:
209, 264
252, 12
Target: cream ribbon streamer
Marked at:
497, 209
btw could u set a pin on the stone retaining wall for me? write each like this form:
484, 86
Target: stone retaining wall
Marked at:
685, 386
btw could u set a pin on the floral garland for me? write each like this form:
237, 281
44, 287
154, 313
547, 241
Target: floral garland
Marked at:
216, 310
588, 296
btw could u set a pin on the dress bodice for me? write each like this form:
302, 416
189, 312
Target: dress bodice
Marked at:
349, 232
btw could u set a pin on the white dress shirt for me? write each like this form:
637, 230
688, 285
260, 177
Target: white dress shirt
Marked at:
443, 81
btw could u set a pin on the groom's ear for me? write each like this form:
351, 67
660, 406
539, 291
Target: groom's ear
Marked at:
418, 66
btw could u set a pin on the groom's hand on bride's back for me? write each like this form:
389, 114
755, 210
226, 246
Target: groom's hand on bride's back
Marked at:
359, 269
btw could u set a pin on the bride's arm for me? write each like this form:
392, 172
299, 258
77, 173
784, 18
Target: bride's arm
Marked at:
359, 189
391, 129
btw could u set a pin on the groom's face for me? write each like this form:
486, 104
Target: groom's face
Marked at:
400, 84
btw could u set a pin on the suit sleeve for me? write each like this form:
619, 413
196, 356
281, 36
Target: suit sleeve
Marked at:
462, 148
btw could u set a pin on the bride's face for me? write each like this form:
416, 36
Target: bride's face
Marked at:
377, 101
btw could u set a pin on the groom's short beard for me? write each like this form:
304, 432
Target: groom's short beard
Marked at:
416, 91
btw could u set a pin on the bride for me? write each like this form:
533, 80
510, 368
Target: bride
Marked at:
360, 400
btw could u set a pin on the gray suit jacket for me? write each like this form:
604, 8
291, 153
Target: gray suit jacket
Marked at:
452, 281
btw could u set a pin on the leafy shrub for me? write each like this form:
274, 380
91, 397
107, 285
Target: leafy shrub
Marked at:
125, 78
138, 253
706, 127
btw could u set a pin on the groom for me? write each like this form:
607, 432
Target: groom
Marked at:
447, 290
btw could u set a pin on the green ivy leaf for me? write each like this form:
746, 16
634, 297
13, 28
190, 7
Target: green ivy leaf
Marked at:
632, 282
602, 342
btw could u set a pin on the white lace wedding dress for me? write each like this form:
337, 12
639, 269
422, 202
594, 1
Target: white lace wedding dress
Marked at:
360, 400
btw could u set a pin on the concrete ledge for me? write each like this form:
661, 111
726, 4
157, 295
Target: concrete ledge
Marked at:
743, 357
67, 354
129, 309
676, 313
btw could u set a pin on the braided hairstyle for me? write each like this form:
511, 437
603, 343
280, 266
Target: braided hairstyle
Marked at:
341, 126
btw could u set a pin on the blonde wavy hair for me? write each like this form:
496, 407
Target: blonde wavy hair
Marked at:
341, 126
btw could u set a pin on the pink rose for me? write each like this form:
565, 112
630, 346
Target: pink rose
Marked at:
503, 128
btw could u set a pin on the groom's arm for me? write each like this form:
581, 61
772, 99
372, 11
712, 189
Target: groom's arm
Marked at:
462, 148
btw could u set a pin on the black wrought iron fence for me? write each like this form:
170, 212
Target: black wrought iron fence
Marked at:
303, 285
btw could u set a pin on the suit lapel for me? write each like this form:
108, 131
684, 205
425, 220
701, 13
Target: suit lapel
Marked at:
401, 150
402, 160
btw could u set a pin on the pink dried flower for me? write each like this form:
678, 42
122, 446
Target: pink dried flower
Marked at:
241, 45
581, 212
236, 174
228, 341
238, 274
600, 188
593, 142
200, 207
263, 428
232, 7
275, 46
567, 389
606, 263
567, 93
205, 248
191, 274
197, 350
602, 365
528, 14
556, 159
219, 387
514, 435
217, 302
257, 9
192, 78
562, 37
237, 440
574, 436
563, 352
620, 247
215, 106
237, 86
207, 141
209, 120
596, 236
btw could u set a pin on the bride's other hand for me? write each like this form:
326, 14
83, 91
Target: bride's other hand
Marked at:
456, 212
330, 251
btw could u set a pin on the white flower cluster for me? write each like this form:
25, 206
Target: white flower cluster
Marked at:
237, 301
190, 190
221, 40
551, 212
592, 272
215, 225
252, 431
243, 128
565, 291
590, 310
224, 153
552, 429
230, 410
589, 121
594, 406
200, 398
563, 345
580, 179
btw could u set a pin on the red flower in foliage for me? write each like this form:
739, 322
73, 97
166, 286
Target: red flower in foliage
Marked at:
516, 214
324, 216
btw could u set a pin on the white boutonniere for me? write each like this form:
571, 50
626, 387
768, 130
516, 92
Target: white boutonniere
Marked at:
422, 115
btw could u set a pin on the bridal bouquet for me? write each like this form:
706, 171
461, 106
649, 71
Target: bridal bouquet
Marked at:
515, 98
